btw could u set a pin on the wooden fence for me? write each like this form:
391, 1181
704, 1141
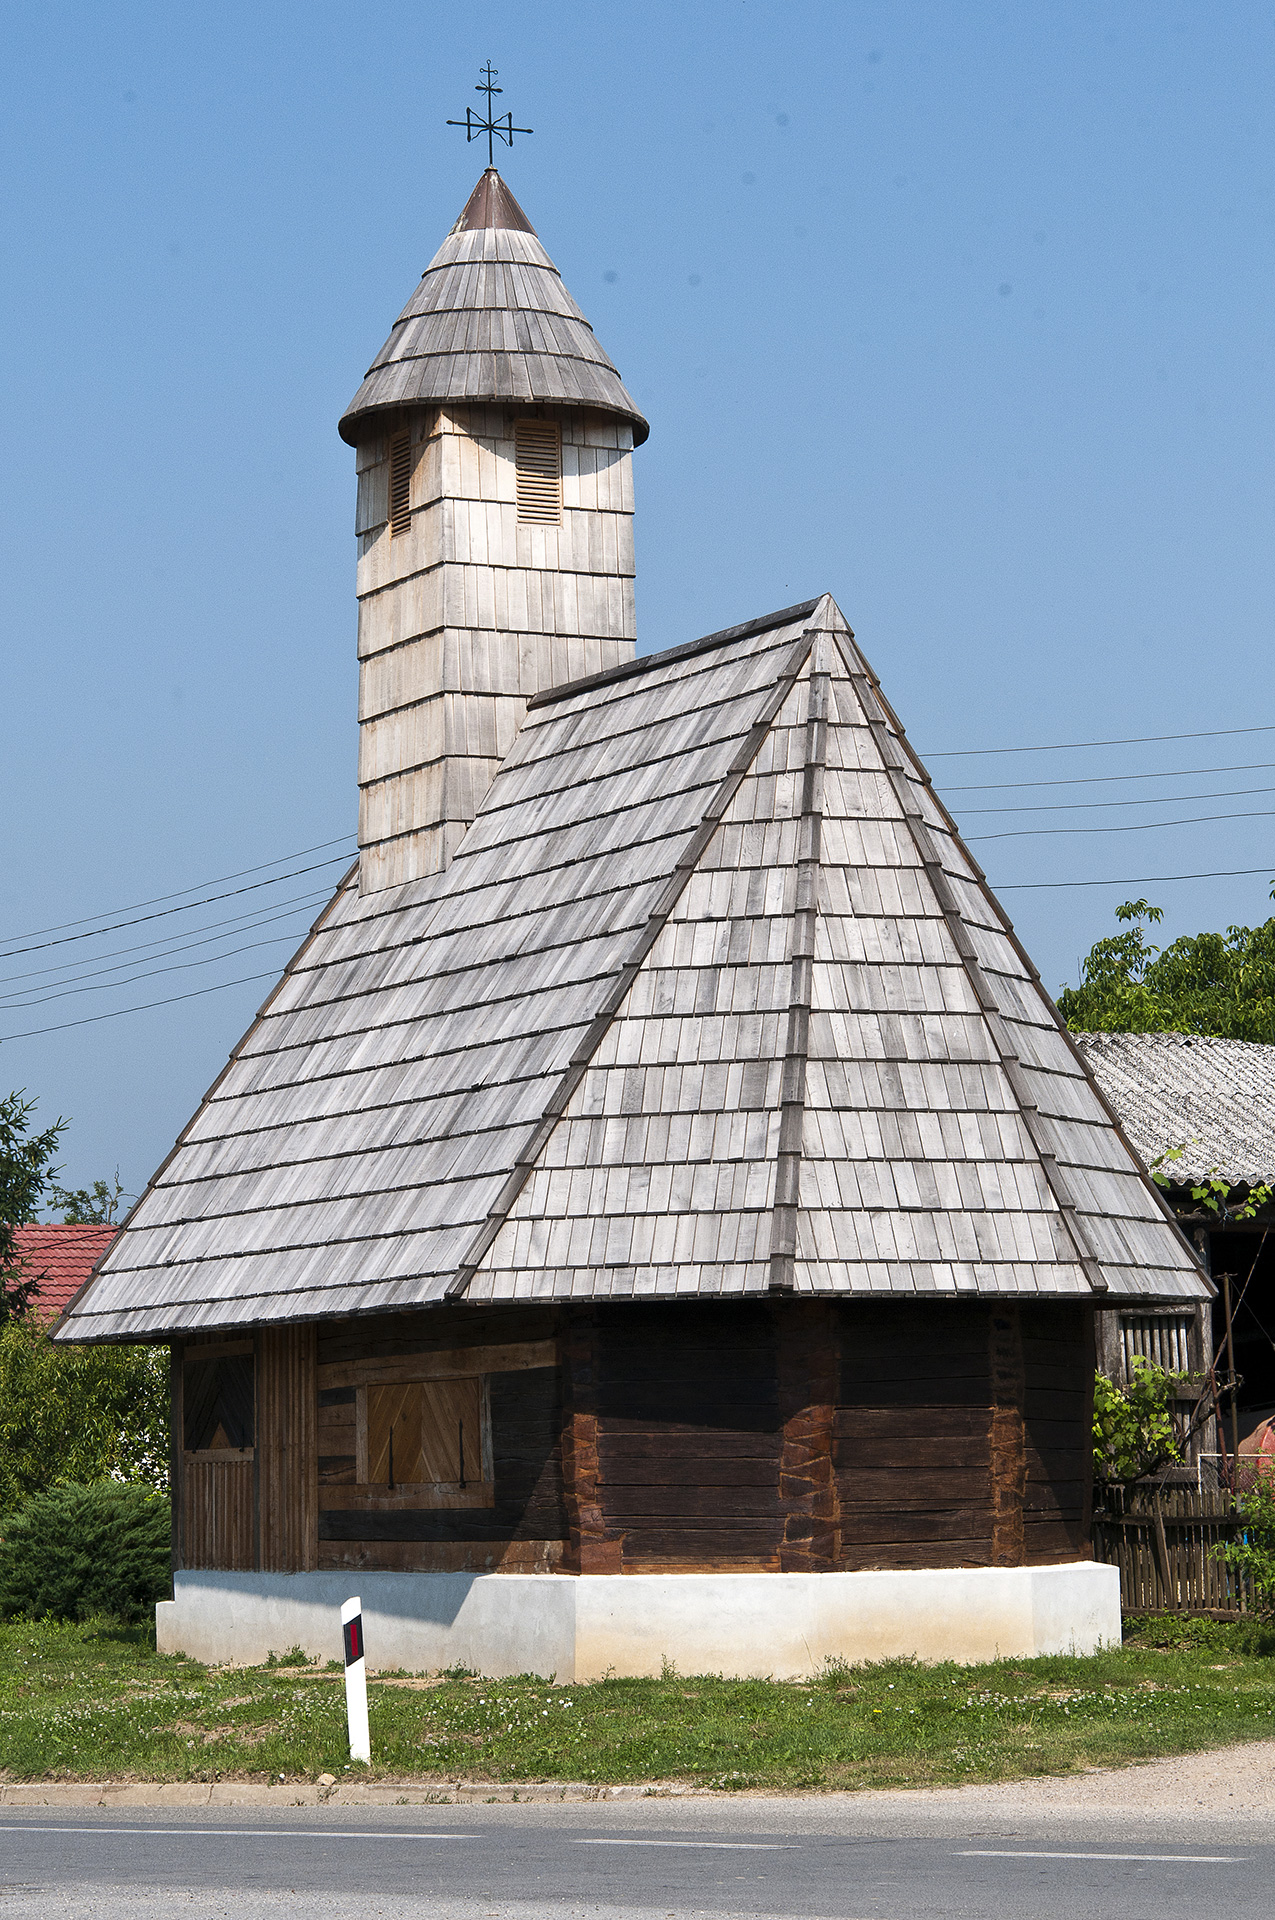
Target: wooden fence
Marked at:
1166, 1544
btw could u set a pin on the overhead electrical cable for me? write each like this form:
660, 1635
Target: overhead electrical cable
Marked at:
1135, 800
1105, 779
1141, 826
340, 859
219, 880
1139, 880
1077, 746
87, 969
38, 998
92, 1019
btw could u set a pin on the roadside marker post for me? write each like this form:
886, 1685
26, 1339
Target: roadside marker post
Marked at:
356, 1681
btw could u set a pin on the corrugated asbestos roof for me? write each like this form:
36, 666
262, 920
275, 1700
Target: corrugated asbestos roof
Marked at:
710, 1000
490, 321
1214, 1097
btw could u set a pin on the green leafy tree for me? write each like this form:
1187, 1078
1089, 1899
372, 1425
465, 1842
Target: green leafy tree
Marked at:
1253, 1552
95, 1206
1211, 1191
78, 1413
26, 1173
1205, 983
1133, 1427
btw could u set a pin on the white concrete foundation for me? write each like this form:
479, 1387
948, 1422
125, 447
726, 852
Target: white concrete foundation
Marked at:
579, 1628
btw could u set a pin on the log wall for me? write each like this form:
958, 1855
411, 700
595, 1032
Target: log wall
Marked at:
521, 1524
777, 1435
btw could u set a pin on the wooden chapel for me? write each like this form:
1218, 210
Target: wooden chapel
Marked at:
661, 1157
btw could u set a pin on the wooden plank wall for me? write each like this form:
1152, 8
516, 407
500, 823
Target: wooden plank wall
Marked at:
287, 1450
689, 1438
525, 1528
913, 1435
1058, 1373
216, 1516
780, 1435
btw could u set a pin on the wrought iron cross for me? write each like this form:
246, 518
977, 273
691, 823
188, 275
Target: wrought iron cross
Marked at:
495, 126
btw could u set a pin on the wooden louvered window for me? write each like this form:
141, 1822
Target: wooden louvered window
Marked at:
400, 483
538, 458
217, 1400
425, 1443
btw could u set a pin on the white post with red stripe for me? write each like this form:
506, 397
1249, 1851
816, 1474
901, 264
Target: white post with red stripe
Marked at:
356, 1681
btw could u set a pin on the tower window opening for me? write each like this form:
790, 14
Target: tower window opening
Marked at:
400, 483
538, 459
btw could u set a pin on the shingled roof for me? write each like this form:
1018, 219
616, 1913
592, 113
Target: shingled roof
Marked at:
490, 320
711, 1001
1213, 1097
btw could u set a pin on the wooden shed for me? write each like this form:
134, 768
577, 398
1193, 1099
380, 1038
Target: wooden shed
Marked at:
658, 1213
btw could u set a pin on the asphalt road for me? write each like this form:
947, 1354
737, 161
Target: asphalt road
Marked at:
652, 1860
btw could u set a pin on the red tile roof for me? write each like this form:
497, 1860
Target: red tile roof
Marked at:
63, 1256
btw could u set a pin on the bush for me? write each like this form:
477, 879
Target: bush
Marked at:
78, 1413
1133, 1430
1254, 1552
76, 1552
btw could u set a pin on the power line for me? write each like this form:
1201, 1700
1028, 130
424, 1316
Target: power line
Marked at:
1140, 880
65, 992
1135, 800
1075, 746
1140, 826
92, 1019
212, 930
209, 900
1107, 779
219, 880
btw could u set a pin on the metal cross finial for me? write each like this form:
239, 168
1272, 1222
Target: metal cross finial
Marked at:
495, 126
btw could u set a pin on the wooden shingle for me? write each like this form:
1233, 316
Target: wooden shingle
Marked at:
711, 1000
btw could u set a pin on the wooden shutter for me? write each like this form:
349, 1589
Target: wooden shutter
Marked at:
538, 458
400, 483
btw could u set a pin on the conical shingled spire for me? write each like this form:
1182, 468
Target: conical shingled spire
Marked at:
490, 321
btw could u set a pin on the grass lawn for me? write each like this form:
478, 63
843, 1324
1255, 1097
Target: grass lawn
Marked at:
95, 1702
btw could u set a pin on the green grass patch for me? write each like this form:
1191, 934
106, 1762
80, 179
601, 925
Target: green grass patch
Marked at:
93, 1701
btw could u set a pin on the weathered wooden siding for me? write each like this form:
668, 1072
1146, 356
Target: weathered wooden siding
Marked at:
216, 1514
523, 1526
469, 611
1058, 1366
287, 1451
782, 1435
688, 1436
913, 1435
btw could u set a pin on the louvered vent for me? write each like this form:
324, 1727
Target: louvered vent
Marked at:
400, 483
538, 457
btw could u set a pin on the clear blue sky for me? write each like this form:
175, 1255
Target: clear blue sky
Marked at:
962, 312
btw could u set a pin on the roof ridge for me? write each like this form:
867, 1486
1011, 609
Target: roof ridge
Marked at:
805, 910
571, 1076
786, 617
989, 1008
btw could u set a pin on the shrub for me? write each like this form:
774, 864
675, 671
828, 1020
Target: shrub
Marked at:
1254, 1552
1133, 1430
78, 1413
76, 1552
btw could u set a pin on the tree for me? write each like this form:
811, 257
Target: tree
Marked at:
1133, 1428
78, 1414
94, 1206
26, 1172
1205, 983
